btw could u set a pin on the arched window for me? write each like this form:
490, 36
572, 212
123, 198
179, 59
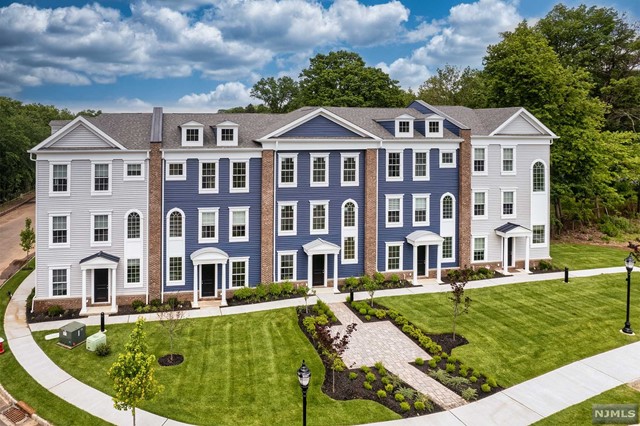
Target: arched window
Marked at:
349, 215
133, 225
447, 207
175, 225
538, 177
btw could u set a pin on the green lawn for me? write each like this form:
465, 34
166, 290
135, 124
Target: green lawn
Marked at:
580, 414
238, 370
584, 256
22, 387
520, 331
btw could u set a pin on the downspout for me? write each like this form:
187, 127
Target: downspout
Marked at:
35, 224
275, 211
162, 232
146, 255
378, 204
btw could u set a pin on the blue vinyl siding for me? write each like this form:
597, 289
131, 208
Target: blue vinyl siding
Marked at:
389, 126
320, 127
424, 110
184, 195
418, 126
336, 195
441, 181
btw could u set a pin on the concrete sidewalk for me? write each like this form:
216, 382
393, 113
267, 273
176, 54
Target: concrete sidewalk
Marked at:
519, 405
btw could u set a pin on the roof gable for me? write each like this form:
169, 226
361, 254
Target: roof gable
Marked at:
79, 134
522, 123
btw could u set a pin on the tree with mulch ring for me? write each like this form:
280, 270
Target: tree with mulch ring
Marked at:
170, 360
171, 320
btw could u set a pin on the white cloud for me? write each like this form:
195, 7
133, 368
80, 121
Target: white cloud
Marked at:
409, 74
133, 105
224, 96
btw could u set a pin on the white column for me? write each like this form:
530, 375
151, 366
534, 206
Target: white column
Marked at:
114, 307
326, 269
224, 285
505, 248
309, 271
335, 273
526, 254
439, 264
195, 286
426, 261
84, 292
415, 265
215, 280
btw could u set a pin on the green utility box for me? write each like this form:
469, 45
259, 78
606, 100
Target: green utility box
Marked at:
96, 340
72, 334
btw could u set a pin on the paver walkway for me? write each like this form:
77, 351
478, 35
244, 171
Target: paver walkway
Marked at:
383, 342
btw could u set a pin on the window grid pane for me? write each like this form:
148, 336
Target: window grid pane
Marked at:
319, 169
478, 160
239, 175
239, 224
349, 248
538, 234
478, 206
133, 271
208, 175
478, 249
286, 218
101, 177
434, 127
447, 247
238, 274
393, 213
176, 169
59, 282
134, 169
286, 267
101, 228
349, 215
349, 169
538, 177
208, 225
420, 213
133, 225
394, 165
226, 135
193, 135
421, 164
175, 269
393, 258
507, 203
319, 217
175, 225
507, 159
60, 178
447, 207
403, 127
287, 170
447, 158
59, 229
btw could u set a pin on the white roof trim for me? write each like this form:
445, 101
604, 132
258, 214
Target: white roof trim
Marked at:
424, 238
209, 255
434, 117
442, 114
520, 231
320, 112
227, 123
79, 120
405, 117
191, 124
529, 117
320, 246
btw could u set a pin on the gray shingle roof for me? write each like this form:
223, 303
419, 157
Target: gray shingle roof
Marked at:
481, 121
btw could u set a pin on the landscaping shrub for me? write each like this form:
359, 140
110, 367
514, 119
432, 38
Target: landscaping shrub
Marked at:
370, 377
404, 406
407, 393
367, 317
544, 265
275, 290
469, 394
378, 277
363, 311
432, 363
287, 288
388, 387
399, 397
351, 283
365, 280
395, 279
473, 379
450, 367
419, 406
381, 394
103, 349
156, 303
492, 382
367, 386
173, 302
260, 292
392, 314
353, 375
365, 369
137, 304
463, 370
400, 320
438, 358
485, 388
458, 382
243, 293
380, 313
419, 361
385, 380
55, 310
427, 404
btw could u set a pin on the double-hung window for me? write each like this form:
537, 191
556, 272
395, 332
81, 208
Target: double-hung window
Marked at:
539, 235
176, 269
238, 224
479, 249
480, 204
394, 211
59, 230
434, 127
133, 271
238, 271
59, 180
239, 176
100, 229
287, 218
394, 256
421, 209
447, 249
394, 165
288, 170
319, 170
208, 177
319, 221
287, 265
59, 279
101, 179
508, 204
508, 160
420, 165
208, 229
479, 161
350, 176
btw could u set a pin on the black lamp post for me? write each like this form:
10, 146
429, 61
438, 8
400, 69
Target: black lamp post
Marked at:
628, 263
304, 376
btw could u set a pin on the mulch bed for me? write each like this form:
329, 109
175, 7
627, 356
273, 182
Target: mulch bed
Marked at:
387, 285
128, 309
167, 361
496, 274
69, 314
477, 385
236, 302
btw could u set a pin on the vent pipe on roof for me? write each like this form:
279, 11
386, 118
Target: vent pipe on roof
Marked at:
156, 125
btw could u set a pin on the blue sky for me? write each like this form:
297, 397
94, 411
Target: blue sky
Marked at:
206, 54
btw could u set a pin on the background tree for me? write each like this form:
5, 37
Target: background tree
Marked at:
27, 236
89, 113
170, 319
133, 373
278, 95
454, 86
342, 79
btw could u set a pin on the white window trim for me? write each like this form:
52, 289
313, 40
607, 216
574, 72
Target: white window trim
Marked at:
453, 208
246, 224
125, 277
202, 190
356, 156
66, 193
68, 269
295, 263
452, 165
515, 203
229, 126
398, 133
247, 173
201, 210
246, 270
351, 231
199, 128
169, 238
546, 236
401, 177
125, 177
126, 225
428, 176
439, 133
386, 211
183, 176
59, 245
453, 249
485, 172
502, 171
312, 157
312, 204
93, 179
486, 248
295, 218
486, 204
181, 281
413, 210
107, 243
546, 176
386, 256
293, 184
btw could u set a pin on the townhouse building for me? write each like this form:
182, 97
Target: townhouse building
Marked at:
194, 205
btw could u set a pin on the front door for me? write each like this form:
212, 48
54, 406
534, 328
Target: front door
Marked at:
422, 266
510, 251
100, 285
208, 280
318, 269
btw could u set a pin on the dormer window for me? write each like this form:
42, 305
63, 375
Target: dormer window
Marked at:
404, 126
227, 134
192, 133
434, 126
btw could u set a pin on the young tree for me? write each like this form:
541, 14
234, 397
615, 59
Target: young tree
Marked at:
370, 287
27, 236
333, 346
460, 302
307, 294
277, 94
133, 373
170, 319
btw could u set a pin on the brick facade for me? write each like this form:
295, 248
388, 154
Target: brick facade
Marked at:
267, 214
370, 211
464, 200
155, 221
